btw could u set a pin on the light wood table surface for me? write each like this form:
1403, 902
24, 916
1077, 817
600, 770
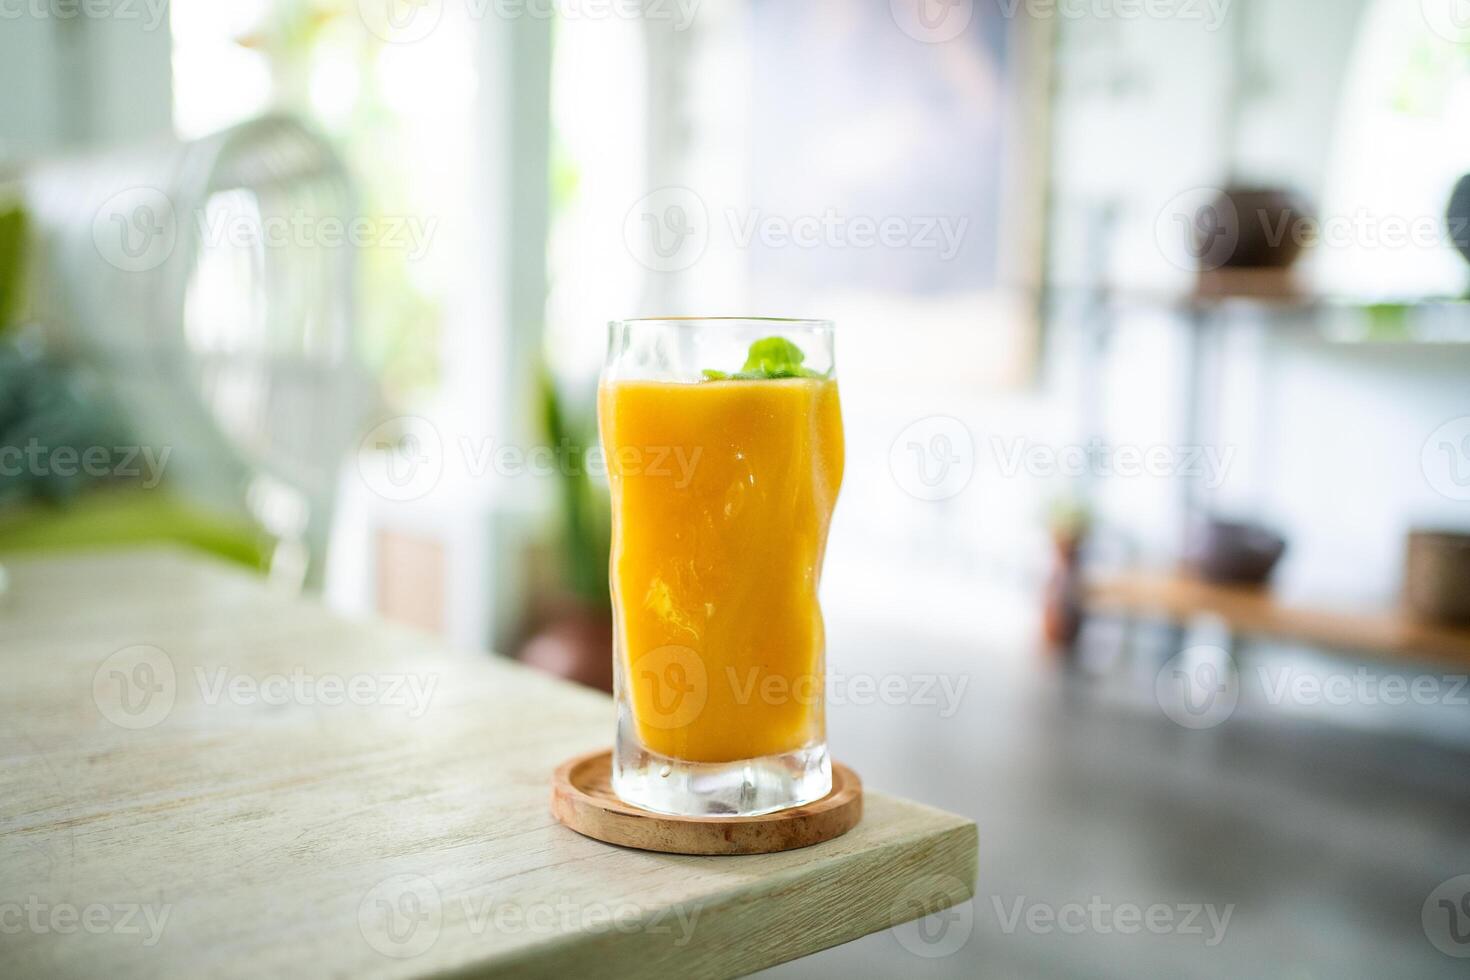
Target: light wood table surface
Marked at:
200, 776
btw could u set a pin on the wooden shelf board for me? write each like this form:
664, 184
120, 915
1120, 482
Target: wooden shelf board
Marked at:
1389, 632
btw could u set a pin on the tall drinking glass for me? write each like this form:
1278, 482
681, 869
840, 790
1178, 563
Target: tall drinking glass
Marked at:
723, 439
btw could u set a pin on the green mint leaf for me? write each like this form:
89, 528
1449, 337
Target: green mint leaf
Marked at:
774, 356
768, 359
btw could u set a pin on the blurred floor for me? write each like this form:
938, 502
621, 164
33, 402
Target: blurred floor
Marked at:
1327, 838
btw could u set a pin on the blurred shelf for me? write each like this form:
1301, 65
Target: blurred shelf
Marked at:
1281, 295
1258, 612
1268, 287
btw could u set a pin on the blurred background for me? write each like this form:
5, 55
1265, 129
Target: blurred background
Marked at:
1154, 348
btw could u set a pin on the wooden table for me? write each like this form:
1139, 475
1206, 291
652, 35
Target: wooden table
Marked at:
201, 776
1387, 632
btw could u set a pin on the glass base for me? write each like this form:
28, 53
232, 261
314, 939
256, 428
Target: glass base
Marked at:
743, 788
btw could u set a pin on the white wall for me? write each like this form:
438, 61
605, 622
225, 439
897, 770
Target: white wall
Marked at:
1333, 434
29, 112
82, 81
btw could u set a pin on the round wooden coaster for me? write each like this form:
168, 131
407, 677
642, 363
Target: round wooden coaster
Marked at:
583, 799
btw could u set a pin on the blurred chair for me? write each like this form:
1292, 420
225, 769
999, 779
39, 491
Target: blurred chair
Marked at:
211, 283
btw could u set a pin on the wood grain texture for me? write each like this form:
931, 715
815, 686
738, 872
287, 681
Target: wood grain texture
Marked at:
281, 792
582, 798
1381, 632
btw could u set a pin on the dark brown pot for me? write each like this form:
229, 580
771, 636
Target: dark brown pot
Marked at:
1459, 216
1254, 228
1234, 552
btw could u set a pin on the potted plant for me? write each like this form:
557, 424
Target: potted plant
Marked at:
1069, 521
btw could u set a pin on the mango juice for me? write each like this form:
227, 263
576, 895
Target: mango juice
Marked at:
722, 493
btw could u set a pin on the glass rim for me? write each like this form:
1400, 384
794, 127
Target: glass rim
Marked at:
815, 323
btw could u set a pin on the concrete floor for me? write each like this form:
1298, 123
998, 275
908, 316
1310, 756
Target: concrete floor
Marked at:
1324, 832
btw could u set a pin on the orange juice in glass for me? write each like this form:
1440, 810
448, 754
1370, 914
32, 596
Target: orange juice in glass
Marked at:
723, 441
